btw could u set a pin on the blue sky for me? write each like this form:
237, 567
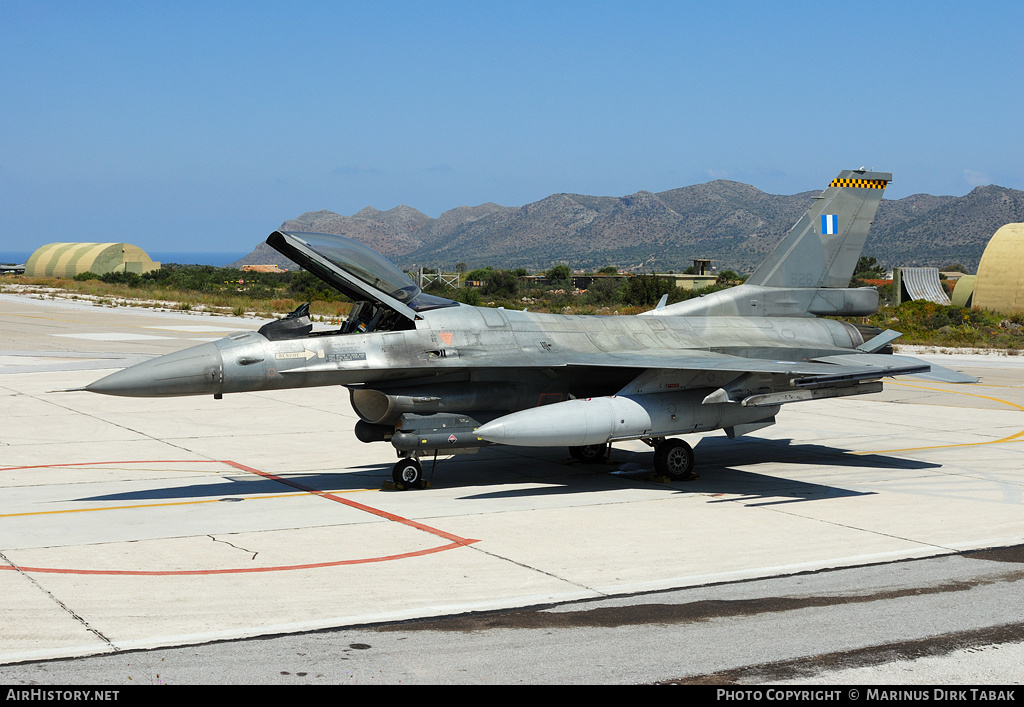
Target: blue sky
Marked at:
201, 126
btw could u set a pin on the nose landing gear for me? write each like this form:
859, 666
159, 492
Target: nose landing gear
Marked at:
407, 474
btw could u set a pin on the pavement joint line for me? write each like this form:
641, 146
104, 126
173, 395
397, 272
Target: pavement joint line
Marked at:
540, 571
455, 541
58, 602
234, 570
50, 401
293, 403
1011, 438
787, 512
353, 504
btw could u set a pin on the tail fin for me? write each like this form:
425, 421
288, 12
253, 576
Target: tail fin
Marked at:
822, 249
809, 272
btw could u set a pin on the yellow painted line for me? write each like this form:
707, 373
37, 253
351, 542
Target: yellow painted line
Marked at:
145, 505
1011, 438
79, 467
959, 392
171, 503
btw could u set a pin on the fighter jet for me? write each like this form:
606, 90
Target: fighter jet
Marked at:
433, 376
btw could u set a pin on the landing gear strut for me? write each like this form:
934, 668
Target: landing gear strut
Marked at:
674, 458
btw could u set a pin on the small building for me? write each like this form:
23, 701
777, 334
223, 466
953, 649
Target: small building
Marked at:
700, 278
535, 280
70, 259
585, 282
262, 268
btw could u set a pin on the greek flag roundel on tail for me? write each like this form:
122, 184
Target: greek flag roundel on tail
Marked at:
816, 252
829, 224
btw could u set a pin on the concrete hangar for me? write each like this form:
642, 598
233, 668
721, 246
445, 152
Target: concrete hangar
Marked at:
999, 284
70, 259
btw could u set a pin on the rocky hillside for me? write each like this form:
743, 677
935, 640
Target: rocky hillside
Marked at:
734, 224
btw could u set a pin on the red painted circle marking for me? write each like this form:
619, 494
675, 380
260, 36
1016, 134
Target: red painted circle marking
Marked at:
454, 540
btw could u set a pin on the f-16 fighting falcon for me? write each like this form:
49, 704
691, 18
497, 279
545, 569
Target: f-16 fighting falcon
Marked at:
433, 376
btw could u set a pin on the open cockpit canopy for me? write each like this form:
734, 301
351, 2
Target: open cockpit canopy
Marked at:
358, 271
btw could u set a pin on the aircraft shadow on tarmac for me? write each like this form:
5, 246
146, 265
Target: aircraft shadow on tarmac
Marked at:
235, 485
718, 459
717, 452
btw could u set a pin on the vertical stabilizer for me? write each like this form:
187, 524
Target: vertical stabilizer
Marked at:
809, 272
822, 249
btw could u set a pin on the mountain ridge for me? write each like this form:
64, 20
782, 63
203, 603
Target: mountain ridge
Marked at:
732, 223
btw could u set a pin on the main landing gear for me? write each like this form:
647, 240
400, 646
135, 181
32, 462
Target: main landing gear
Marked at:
589, 454
672, 458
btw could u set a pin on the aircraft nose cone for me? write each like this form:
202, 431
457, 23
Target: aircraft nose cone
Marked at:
195, 371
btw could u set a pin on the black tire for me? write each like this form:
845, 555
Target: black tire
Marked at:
674, 458
407, 474
589, 454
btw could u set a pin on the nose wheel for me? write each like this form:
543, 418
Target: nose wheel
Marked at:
407, 474
674, 458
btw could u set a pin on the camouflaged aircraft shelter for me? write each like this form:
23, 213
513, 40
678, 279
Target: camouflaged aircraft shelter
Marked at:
70, 259
963, 291
1000, 283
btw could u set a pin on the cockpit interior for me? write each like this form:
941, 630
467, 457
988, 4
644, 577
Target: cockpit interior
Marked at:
384, 298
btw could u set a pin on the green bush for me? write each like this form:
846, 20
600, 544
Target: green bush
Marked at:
501, 283
644, 290
122, 278
466, 295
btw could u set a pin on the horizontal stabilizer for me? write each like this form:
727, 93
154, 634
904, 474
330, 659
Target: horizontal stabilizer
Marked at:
879, 342
891, 362
942, 374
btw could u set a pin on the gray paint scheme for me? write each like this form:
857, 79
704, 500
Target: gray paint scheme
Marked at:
437, 376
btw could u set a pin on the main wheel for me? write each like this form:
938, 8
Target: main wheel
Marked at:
589, 454
674, 458
407, 473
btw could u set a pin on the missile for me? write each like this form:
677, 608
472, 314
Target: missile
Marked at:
582, 422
